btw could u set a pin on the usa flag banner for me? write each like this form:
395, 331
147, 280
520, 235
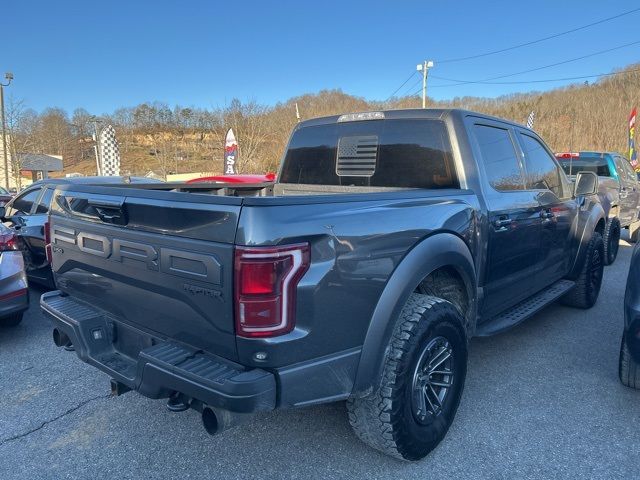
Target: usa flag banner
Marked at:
633, 155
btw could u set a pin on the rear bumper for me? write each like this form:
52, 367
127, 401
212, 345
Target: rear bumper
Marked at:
14, 303
157, 367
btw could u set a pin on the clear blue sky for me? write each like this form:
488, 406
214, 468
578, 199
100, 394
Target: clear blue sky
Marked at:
101, 55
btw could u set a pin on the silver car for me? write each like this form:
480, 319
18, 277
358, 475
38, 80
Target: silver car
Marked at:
14, 294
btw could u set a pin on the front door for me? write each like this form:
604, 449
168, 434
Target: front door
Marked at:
544, 176
514, 222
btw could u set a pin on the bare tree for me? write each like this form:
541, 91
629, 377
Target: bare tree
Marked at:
22, 125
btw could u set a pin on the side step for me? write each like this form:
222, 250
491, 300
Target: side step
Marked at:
523, 310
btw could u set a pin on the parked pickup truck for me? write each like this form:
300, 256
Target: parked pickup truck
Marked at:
619, 193
387, 242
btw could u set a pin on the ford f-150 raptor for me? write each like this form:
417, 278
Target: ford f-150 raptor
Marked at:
388, 240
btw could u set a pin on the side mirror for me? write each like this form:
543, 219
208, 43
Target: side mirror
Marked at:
586, 184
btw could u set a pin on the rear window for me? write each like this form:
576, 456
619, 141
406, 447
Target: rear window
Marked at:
377, 153
595, 163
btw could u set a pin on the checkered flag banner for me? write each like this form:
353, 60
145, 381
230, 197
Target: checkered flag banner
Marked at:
531, 118
109, 152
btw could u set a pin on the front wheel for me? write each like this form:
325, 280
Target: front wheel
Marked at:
587, 288
424, 371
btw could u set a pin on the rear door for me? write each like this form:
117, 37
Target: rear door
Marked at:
513, 250
161, 262
544, 177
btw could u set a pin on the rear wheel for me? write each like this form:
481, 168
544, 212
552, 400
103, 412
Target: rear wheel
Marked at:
588, 283
611, 240
628, 368
11, 321
423, 377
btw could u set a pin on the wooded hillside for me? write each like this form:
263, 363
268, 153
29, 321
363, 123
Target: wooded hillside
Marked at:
154, 136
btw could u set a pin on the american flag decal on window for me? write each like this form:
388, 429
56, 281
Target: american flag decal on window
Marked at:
357, 156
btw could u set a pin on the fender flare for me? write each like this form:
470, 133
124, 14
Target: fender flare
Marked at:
595, 215
436, 251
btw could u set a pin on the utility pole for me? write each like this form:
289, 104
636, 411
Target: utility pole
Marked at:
424, 68
9, 77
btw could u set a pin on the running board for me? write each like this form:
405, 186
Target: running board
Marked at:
523, 310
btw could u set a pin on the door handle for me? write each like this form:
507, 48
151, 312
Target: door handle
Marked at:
501, 224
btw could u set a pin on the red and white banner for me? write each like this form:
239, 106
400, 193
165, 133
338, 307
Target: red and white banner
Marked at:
230, 154
633, 155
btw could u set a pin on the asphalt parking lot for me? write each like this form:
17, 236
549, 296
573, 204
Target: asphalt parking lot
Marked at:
541, 401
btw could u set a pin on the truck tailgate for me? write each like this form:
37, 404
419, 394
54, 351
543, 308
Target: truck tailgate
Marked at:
158, 261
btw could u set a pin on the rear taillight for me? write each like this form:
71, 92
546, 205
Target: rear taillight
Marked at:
266, 280
47, 240
8, 242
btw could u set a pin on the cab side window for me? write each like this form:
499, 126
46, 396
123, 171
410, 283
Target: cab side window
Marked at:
542, 172
499, 158
23, 203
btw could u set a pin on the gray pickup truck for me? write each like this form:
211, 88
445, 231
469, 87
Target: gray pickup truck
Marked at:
618, 189
388, 241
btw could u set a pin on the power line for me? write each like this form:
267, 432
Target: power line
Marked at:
524, 82
556, 35
418, 80
403, 84
463, 82
547, 80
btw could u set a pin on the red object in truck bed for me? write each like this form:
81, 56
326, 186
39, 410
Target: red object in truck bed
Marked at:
269, 177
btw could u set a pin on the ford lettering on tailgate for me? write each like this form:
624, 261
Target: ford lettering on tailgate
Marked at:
191, 265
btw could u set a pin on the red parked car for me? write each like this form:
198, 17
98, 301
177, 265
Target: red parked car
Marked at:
269, 177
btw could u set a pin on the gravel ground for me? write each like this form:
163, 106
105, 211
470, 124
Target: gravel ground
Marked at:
541, 401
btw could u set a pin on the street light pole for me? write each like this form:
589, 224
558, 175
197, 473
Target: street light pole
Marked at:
9, 77
424, 68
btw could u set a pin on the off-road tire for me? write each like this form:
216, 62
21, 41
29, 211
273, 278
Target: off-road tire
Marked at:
11, 321
385, 418
585, 293
611, 239
628, 368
